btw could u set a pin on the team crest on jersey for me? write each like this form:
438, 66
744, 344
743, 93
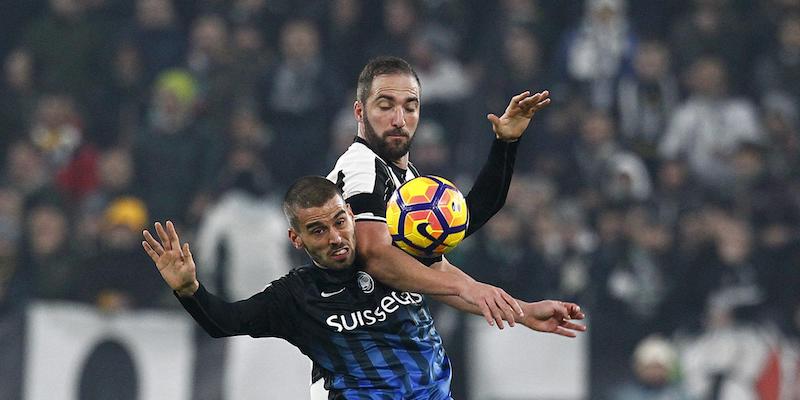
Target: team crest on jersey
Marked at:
365, 282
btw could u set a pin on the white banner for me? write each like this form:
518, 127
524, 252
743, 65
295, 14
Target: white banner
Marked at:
61, 336
518, 363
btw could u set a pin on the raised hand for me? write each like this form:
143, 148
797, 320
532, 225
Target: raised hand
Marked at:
512, 124
553, 316
174, 262
495, 304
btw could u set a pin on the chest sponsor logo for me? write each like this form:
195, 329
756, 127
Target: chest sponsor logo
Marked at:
360, 318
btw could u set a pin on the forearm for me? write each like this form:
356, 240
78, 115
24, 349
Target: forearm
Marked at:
217, 317
395, 268
488, 194
455, 301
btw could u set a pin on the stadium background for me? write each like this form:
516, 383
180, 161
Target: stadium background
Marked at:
660, 190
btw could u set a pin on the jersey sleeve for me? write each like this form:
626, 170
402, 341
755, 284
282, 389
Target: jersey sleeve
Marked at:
265, 314
366, 187
488, 194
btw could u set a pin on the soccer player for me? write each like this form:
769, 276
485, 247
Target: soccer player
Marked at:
367, 340
387, 109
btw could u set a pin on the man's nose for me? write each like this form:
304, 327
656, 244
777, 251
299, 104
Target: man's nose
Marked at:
335, 237
399, 119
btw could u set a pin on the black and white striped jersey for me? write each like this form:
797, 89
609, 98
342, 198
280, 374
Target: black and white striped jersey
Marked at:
367, 181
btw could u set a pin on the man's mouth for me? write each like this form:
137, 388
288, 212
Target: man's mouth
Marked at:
340, 254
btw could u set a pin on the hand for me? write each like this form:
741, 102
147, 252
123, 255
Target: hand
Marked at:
175, 263
495, 304
518, 115
552, 316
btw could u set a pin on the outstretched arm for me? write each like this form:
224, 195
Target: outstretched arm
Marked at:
543, 316
397, 269
256, 316
488, 194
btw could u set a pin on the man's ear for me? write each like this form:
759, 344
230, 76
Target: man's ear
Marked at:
358, 111
297, 241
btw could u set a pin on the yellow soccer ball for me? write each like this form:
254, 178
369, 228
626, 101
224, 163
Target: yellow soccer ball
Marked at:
427, 216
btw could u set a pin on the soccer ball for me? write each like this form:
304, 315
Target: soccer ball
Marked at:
427, 216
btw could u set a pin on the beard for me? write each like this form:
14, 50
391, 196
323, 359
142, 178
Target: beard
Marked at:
387, 146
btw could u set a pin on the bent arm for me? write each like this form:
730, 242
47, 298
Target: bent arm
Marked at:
395, 268
488, 194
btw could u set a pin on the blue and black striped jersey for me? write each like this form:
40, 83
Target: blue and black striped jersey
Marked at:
367, 340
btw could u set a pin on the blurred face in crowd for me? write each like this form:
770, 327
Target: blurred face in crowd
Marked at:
597, 128
651, 61
154, 14
707, 77
790, 33
19, 69
390, 115
327, 233
68, 9
47, 226
300, 41
521, 51
398, 17
116, 169
210, 34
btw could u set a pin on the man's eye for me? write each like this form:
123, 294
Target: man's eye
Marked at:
340, 222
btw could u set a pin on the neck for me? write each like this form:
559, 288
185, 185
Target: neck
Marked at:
402, 162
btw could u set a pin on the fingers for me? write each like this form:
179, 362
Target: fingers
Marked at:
518, 98
565, 332
573, 326
497, 314
187, 252
507, 309
175, 243
494, 119
153, 243
535, 102
162, 236
487, 314
513, 303
574, 311
150, 252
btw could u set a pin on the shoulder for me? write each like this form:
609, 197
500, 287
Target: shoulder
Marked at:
358, 170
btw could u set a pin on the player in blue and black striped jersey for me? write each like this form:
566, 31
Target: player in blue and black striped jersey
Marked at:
367, 340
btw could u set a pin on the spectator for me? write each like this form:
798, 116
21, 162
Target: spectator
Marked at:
597, 51
17, 97
708, 126
66, 47
297, 96
655, 364
113, 279
176, 157
47, 257
646, 98
157, 33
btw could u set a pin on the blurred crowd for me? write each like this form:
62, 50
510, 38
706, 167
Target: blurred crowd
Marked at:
660, 190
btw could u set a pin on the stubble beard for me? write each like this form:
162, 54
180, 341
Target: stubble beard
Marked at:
388, 147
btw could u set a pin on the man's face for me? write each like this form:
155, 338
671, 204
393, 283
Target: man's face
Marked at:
390, 115
327, 233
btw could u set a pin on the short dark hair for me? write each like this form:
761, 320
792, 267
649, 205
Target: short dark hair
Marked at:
307, 192
385, 65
